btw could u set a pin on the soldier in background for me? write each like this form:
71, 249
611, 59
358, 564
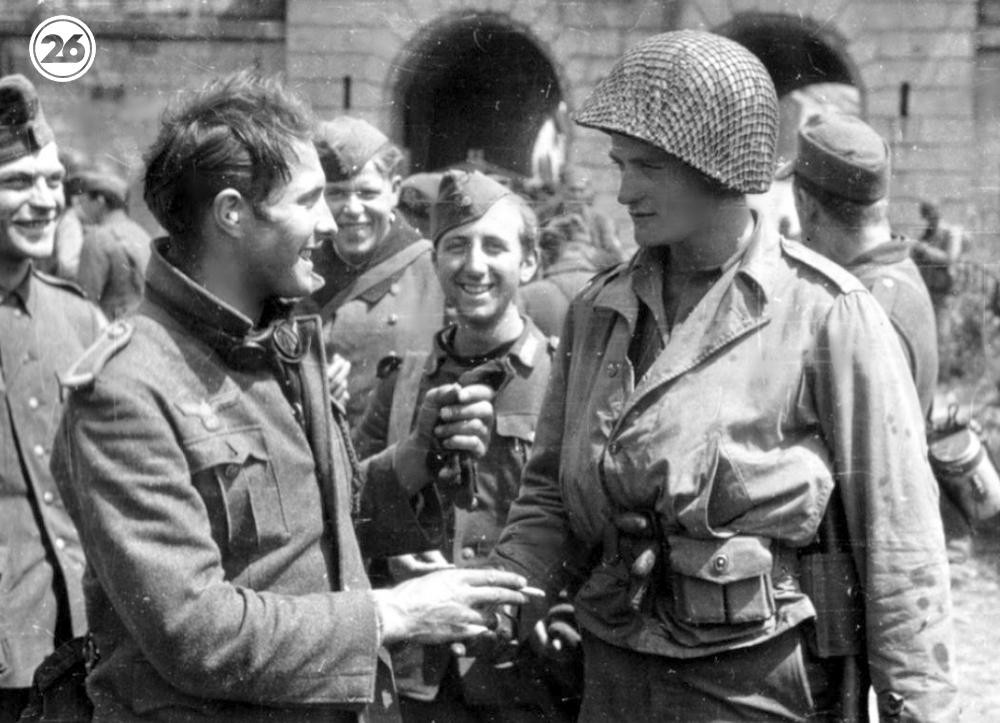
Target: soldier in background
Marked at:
381, 295
485, 241
416, 197
936, 254
731, 451
115, 252
576, 196
569, 261
841, 184
45, 323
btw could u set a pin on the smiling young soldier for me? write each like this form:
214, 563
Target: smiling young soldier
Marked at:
211, 478
732, 433
381, 295
45, 323
485, 240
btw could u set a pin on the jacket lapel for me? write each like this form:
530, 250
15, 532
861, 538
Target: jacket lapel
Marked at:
735, 306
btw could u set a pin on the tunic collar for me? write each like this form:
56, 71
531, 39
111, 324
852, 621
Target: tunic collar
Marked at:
228, 331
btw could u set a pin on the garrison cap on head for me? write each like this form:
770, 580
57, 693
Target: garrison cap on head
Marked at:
419, 190
23, 129
842, 155
700, 97
463, 196
102, 181
346, 144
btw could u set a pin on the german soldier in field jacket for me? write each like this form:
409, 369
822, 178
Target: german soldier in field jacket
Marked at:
212, 478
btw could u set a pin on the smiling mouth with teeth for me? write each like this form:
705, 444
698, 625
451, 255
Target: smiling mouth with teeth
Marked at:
475, 288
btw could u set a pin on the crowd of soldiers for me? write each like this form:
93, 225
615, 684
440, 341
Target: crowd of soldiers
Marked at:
344, 444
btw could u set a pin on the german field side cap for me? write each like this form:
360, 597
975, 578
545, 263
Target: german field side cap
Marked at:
700, 97
463, 197
346, 144
419, 190
23, 129
843, 156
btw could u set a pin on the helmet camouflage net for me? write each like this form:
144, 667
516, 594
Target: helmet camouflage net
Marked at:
700, 97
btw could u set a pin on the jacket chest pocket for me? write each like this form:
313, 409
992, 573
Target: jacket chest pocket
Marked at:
518, 432
235, 476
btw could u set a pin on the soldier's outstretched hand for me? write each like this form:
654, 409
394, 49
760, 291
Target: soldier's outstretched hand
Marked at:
447, 605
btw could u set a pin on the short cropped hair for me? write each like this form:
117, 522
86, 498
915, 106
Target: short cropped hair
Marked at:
846, 213
235, 132
528, 234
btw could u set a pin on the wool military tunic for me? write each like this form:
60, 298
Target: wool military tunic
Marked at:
224, 578
894, 280
45, 324
393, 307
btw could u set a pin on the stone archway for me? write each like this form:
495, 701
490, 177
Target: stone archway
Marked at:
474, 82
811, 71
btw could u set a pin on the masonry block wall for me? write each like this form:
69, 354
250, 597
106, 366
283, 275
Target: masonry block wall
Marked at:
113, 112
927, 44
947, 146
374, 41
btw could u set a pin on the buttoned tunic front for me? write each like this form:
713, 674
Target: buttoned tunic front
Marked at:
224, 578
45, 324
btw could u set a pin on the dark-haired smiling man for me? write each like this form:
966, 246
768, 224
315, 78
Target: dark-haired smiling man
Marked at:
211, 476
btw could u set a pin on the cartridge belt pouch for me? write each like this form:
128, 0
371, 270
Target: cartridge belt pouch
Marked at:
717, 582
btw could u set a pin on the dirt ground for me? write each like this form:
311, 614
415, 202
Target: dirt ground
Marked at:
975, 587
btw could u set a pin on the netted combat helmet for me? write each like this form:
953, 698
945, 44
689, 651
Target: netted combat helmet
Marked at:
700, 97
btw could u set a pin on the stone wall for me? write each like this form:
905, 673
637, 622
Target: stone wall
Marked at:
945, 50
927, 44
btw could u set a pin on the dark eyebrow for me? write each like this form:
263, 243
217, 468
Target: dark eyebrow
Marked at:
312, 194
16, 176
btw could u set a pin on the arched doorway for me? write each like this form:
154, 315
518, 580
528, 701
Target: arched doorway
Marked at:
811, 71
474, 83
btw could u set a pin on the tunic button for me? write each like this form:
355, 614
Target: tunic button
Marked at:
720, 564
231, 470
18, 312
614, 447
33, 403
38, 450
394, 289
613, 369
468, 553
48, 498
392, 320
60, 543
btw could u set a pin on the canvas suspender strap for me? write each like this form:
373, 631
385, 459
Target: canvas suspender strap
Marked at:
404, 395
376, 274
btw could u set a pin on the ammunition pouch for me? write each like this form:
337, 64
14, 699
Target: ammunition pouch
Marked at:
721, 582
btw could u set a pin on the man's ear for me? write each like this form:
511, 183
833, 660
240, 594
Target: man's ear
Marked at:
395, 184
229, 209
529, 266
805, 205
